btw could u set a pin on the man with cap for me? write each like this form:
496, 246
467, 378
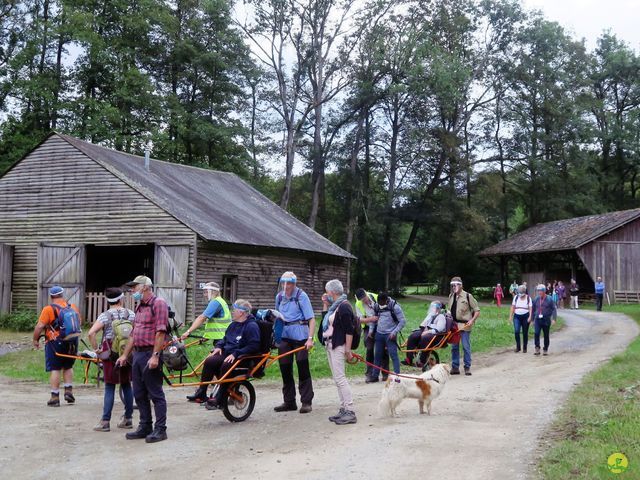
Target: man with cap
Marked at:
147, 339
544, 315
365, 309
464, 309
299, 324
48, 322
218, 318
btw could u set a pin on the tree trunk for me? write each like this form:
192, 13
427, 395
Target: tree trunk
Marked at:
388, 220
352, 194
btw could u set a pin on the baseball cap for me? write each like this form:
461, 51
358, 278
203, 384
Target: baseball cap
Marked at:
56, 290
140, 280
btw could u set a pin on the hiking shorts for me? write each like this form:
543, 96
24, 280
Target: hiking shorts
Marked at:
53, 361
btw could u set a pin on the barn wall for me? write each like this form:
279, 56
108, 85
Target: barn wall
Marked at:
57, 195
258, 273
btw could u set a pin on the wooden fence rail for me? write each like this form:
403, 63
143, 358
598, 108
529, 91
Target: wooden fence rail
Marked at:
97, 303
621, 296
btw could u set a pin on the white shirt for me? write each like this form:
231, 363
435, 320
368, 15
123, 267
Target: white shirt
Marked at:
522, 304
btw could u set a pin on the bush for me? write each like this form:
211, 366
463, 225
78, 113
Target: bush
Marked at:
20, 320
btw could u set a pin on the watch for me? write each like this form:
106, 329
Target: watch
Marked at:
157, 354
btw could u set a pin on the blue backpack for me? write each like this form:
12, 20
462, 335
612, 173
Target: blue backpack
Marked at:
67, 322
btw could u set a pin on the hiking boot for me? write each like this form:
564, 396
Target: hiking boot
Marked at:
199, 396
467, 372
517, 349
455, 371
544, 352
347, 418
286, 407
371, 380
141, 432
68, 395
125, 422
54, 401
341, 412
212, 404
537, 352
102, 426
524, 350
384, 377
157, 435
407, 362
305, 408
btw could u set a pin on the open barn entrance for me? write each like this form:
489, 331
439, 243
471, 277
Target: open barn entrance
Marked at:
113, 266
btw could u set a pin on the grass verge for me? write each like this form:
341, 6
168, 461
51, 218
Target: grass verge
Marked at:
600, 418
492, 330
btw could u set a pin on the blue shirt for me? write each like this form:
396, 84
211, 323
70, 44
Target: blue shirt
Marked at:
546, 307
241, 338
600, 287
293, 311
213, 310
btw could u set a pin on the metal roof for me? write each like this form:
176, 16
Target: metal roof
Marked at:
218, 206
567, 234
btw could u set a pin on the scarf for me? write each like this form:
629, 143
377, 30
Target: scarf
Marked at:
334, 306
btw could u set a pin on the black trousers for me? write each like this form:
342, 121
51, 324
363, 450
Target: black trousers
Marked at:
417, 340
305, 386
544, 325
215, 366
599, 297
369, 344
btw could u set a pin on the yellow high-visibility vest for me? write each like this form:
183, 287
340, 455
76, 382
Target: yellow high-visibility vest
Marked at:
216, 327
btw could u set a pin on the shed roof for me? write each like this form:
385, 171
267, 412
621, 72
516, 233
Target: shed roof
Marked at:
218, 206
567, 234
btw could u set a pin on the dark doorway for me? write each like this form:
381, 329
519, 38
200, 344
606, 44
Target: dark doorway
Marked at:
113, 266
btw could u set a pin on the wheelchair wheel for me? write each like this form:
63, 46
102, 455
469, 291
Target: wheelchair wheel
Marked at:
239, 401
432, 360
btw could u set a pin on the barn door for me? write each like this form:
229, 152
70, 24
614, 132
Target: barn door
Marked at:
6, 269
170, 270
64, 266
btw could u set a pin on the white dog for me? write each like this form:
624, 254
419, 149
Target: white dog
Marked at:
425, 388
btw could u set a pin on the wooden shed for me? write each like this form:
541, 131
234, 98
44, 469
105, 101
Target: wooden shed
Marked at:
87, 217
584, 248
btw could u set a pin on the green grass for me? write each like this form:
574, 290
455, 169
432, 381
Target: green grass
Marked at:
601, 417
491, 330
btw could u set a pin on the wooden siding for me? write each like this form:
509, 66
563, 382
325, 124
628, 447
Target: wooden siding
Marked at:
57, 195
258, 273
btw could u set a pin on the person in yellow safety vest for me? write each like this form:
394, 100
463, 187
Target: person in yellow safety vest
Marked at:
365, 302
217, 315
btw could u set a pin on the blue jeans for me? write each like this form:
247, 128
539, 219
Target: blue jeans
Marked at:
109, 395
465, 339
521, 322
382, 340
544, 325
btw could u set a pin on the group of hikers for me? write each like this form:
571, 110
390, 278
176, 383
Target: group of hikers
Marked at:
135, 363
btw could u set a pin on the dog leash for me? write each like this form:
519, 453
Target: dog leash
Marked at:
359, 358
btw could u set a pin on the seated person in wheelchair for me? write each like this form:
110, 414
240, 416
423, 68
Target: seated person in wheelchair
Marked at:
241, 338
434, 324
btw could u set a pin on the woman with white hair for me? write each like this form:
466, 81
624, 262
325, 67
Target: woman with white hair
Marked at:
521, 317
338, 326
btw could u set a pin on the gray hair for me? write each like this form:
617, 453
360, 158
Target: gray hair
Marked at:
335, 286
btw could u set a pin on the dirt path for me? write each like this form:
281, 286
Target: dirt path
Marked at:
487, 426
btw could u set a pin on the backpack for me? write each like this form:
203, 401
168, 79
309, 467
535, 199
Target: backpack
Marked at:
392, 309
67, 322
357, 331
452, 326
122, 328
296, 299
174, 356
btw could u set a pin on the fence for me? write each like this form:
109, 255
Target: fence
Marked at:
97, 303
621, 296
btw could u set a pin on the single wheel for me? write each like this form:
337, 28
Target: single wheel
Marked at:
432, 360
239, 401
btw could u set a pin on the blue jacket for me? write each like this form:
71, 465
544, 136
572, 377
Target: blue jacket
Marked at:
241, 338
547, 307
600, 287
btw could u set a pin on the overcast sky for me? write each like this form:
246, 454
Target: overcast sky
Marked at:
589, 18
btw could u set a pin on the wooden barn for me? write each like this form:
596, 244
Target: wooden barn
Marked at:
583, 248
87, 217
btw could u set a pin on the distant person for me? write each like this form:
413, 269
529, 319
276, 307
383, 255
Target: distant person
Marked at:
574, 289
562, 293
217, 315
513, 289
390, 322
464, 309
365, 309
526, 287
599, 288
299, 325
114, 316
50, 322
520, 315
498, 294
544, 315
433, 324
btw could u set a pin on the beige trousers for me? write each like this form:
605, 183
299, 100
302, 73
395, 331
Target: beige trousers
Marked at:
336, 363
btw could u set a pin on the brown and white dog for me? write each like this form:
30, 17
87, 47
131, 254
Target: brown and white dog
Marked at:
425, 388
